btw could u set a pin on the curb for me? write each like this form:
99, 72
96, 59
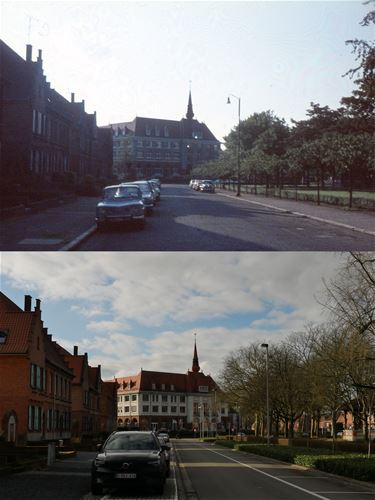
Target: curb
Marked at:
312, 217
74, 243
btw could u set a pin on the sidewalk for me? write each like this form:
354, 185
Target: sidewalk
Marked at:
357, 220
50, 229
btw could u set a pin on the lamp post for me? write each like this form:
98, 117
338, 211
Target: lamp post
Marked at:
267, 396
238, 143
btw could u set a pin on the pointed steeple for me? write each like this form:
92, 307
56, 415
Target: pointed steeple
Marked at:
190, 114
195, 368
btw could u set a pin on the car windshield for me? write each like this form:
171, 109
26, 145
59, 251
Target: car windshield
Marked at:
121, 192
131, 442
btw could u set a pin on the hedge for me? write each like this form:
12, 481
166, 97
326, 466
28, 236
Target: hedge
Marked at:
356, 466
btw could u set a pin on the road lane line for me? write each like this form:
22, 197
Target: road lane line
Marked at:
270, 475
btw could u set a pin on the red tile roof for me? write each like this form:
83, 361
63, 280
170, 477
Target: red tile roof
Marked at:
18, 327
181, 382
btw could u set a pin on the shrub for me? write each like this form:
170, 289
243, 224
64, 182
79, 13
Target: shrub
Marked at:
362, 469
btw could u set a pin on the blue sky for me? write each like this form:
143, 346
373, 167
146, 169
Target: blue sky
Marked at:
141, 310
128, 59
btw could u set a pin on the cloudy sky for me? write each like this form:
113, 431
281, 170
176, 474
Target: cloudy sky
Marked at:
134, 58
141, 310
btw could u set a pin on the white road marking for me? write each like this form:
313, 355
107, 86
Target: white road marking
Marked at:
270, 475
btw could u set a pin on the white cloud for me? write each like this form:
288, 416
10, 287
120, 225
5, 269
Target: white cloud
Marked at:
151, 290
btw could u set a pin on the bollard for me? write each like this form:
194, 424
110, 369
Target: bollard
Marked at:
51, 457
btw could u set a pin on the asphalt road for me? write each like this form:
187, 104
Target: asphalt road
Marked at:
192, 221
70, 480
217, 473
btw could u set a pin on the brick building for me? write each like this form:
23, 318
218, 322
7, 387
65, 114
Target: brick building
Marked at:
43, 135
35, 381
173, 401
47, 393
149, 147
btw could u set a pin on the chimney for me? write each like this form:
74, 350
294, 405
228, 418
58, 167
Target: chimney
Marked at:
83, 104
72, 97
37, 307
75, 350
45, 331
29, 52
39, 56
28, 300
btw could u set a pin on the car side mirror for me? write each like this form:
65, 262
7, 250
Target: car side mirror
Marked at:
99, 447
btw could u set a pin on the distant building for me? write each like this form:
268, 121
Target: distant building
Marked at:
151, 147
173, 401
43, 135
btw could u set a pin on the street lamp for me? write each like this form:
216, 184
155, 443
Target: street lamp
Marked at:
238, 143
267, 396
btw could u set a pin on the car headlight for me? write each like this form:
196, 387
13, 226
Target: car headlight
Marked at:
154, 462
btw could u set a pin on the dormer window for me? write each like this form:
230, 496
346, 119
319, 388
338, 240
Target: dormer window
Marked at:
153, 386
157, 131
3, 336
166, 131
148, 130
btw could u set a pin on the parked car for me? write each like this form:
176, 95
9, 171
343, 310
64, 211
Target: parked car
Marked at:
129, 458
156, 188
195, 184
191, 183
120, 203
206, 186
164, 435
148, 194
167, 450
158, 181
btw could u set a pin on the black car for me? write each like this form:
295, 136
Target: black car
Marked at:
129, 458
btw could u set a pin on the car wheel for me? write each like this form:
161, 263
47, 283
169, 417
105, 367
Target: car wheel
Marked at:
96, 489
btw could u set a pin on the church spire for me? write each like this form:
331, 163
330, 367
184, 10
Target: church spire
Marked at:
190, 114
195, 368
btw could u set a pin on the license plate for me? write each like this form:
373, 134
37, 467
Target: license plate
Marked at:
124, 475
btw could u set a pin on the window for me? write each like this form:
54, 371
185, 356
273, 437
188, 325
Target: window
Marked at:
173, 409
127, 398
182, 399
157, 131
145, 397
203, 388
182, 409
166, 131
148, 130
145, 408
155, 397
163, 387
126, 409
172, 387
134, 397
153, 386
155, 409
133, 409
164, 409
164, 398
173, 399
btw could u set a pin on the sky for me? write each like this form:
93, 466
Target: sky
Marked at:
134, 58
141, 310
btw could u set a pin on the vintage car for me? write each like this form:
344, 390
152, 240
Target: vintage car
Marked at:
130, 458
120, 204
148, 194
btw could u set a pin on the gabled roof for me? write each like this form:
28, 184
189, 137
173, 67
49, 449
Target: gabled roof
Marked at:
181, 382
94, 376
54, 355
18, 327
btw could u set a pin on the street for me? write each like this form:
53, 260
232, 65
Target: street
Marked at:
188, 220
218, 473
205, 472
70, 480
